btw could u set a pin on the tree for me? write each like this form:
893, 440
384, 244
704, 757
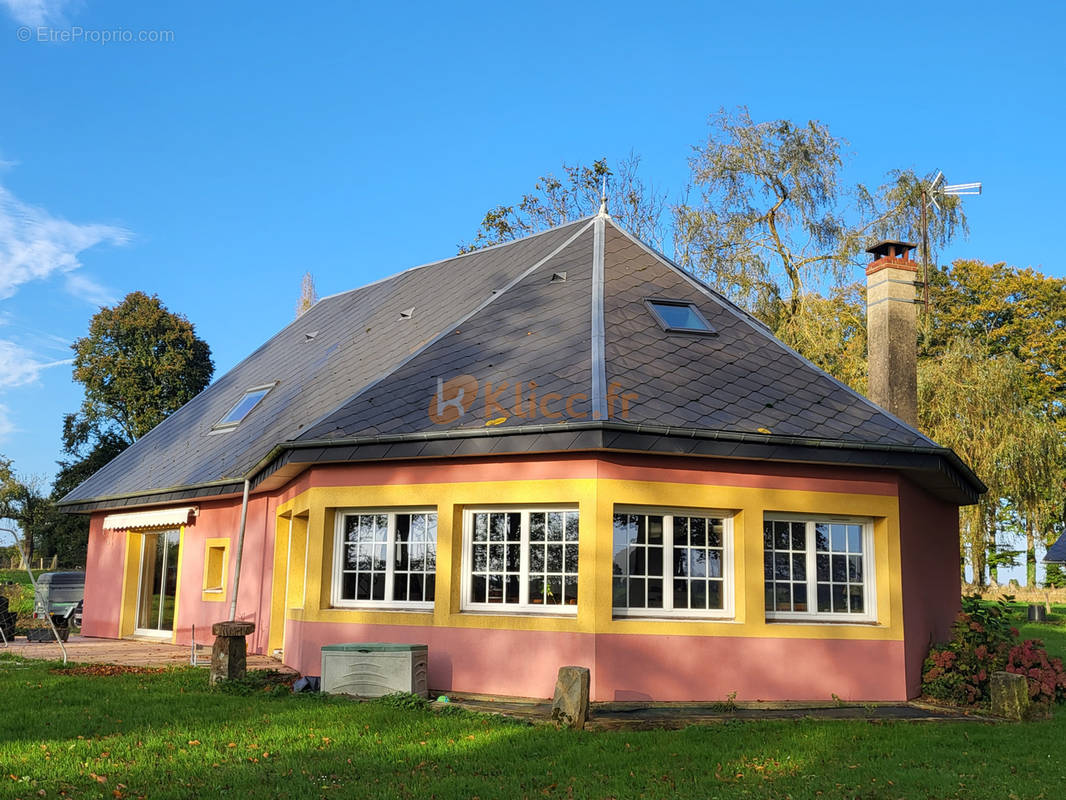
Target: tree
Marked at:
969, 401
308, 294
555, 201
773, 225
1009, 310
139, 363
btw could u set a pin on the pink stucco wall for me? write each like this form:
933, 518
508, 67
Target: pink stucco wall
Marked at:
104, 566
931, 579
626, 666
629, 666
221, 519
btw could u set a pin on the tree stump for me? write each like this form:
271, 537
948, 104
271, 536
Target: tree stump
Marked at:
570, 705
1010, 695
229, 654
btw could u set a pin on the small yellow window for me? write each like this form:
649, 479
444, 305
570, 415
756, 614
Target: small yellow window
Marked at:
215, 553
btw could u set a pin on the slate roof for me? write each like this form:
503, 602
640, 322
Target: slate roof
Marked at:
561, 316
1056, 554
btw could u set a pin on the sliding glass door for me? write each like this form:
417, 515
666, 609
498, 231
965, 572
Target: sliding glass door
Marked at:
158, 583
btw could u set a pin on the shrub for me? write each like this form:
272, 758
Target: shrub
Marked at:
1047, 680
982, 642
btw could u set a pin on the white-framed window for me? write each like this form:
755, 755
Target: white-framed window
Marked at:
385, 558
819, 568
672, 562
520, 559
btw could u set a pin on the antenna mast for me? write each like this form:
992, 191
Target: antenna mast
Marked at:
931, 190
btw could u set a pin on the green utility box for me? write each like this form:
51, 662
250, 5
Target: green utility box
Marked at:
373, 669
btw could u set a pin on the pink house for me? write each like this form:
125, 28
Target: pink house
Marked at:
560, 450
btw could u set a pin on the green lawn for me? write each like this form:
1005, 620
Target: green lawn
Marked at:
168, 736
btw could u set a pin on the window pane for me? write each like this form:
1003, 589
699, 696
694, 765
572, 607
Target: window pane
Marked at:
243, 407
854, 538
838, 538
655, 593
799, 567
840, 568
715, 595
698, 593
636, 593
570, 590
555, 527
555, 590
821, 537
855, 569
680, 593
618, 592
714, 564
536, 590
536, 527
572, 526
840, 598
823, 598
536, 558
823, 566
680, 316
856, 599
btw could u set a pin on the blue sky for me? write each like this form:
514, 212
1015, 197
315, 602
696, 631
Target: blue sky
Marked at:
357, 139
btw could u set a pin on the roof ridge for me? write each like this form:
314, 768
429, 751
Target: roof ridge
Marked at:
589, 221
765, 331
458, 256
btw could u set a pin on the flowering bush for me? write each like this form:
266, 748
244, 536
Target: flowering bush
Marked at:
982, 642
1047, 680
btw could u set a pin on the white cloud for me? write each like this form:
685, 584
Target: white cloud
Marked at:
35, 12
7, 427
19, 367
34, 245
81, 285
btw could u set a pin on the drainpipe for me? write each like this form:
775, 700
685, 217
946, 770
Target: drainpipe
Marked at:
240, 552
33, 583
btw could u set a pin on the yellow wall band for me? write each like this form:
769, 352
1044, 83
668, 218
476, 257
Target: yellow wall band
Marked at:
312, 553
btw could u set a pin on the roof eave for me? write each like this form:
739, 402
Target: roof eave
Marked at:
958, 483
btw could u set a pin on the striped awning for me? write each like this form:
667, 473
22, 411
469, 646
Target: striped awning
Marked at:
160, 518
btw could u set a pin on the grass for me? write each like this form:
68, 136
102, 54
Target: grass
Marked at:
168, 735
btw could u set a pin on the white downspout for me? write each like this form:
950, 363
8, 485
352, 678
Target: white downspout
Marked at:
240, 552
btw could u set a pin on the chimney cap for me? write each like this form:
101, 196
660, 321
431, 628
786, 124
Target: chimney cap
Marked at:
892, 248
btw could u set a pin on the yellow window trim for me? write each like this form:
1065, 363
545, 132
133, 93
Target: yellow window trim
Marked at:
215, 572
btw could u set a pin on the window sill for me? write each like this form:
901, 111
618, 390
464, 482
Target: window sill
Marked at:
213, 596
410, 608
660, 617
865, 622
566, 612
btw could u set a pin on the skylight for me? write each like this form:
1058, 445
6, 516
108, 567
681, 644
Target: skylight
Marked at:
243, 407
679, 316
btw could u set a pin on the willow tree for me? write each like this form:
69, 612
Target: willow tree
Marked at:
576, 193
773, 224
969, 400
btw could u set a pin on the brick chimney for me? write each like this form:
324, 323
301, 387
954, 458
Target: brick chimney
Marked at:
892, 329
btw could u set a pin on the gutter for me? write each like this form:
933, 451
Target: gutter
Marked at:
260, 470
